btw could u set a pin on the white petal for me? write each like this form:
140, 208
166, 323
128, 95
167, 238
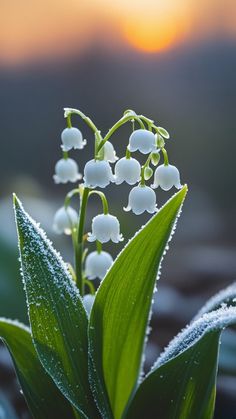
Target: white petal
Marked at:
166, 177
72, 138
109, 152
127, 170
97, 264
142, 140
105, 227
66, 170
64, 220
142, 198
97, 173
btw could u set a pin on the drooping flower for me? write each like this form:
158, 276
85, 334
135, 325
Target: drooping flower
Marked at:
141, 198
105, 227
97, 264
109, 152
142, 140
88, 301
66, 170
166, 176
65, 219
97, 173
127, 170
72, 138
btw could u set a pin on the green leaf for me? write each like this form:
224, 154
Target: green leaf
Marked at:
57, 316
44, 399
182, 385
120, 314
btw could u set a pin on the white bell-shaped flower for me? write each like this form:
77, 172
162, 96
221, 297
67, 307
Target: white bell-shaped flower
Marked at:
109, 152
105, 227
127, 170
166, 177
142, 198
142, 140
65, 219
66, 170
72, 138
88, 301
97, 173
97, 264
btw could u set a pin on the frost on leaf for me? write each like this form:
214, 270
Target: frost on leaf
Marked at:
209, 322
56, 312
223, 298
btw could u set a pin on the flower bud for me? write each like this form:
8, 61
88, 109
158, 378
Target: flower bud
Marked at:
142, 198
142, 140
65, 219
127, 170
88, 301
148, 172
72, 138
97, 264
97, 173
163, 132
160, 142
155, 157
105, 227
66, 170
109, 152
166, 177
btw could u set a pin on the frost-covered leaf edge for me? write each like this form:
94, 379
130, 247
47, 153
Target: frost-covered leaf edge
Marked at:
22, 216
212, 323
225, 297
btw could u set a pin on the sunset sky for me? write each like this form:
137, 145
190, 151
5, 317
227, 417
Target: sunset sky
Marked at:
33, 29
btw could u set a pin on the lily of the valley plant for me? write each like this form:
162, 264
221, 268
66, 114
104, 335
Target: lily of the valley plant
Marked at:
82, 356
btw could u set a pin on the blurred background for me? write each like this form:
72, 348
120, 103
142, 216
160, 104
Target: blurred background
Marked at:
172, 60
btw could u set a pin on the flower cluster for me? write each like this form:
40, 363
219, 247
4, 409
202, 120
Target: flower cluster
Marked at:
146, 139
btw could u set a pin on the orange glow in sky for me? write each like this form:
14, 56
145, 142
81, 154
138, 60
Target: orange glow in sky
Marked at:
39, 29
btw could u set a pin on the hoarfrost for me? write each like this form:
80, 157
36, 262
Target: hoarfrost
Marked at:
222, 299
213, 321
56, 312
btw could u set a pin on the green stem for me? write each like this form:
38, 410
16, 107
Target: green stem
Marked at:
103, 199
90, 285
78, 245
68, 120
165, 155
127, 117
98, 246
86, 119
127, 154
70, 195
142, 182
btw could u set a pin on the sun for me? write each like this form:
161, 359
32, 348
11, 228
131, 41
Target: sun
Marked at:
151, 37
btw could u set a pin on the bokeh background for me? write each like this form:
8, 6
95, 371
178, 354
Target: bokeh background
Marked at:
172, 60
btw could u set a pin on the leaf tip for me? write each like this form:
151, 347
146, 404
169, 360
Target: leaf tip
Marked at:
16, 202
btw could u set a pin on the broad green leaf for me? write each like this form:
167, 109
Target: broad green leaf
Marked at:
57, 316
44, 399
182, 384
121, 311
